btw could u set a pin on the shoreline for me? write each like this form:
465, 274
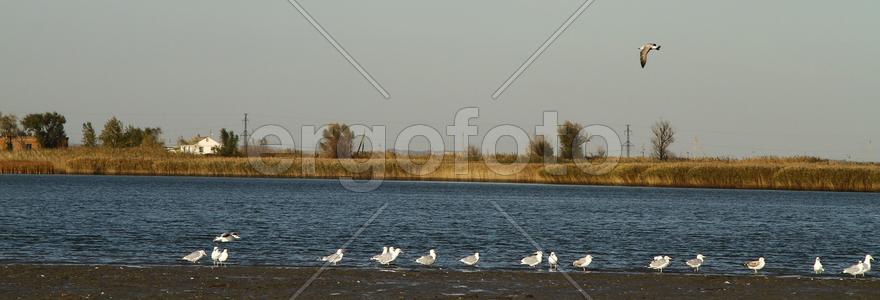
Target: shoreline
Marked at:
431, 179
185, 282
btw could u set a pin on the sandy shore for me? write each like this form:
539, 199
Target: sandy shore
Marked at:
107, 281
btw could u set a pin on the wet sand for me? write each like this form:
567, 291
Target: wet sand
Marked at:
201, 282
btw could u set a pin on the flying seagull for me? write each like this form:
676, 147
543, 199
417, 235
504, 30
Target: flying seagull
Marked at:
195, 256
643, 52
471, 260
817, 266
696, 262
429, 259
583, 262
333, 258
755, 265
227, 237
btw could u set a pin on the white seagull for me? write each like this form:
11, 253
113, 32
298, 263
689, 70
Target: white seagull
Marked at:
532, 260
661, 263
471, 260
195, 256
867, 263
429, 259
389, 257
227, 237
695, 263
643, 52
755, 265
215, 255
333, 258
583, 262
553, 260
223, 257
817, 266
377, 256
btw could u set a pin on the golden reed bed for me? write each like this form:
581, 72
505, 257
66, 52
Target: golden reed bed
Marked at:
757, 173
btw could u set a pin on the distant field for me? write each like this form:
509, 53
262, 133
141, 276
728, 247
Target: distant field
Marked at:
758, 173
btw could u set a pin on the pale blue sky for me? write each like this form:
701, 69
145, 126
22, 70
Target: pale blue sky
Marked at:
740, 77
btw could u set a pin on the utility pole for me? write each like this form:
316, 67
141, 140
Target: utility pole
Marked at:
628, 144
245, 135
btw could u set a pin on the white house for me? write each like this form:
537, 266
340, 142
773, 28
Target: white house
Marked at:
200, 145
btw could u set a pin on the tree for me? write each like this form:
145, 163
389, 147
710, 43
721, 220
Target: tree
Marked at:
664, 135
89, 139
337, 141
540, 148
473, 153
48, 128
229, 143
9, 126
571, 141
112, 136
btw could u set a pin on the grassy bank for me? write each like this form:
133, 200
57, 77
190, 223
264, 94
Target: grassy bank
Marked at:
758, 173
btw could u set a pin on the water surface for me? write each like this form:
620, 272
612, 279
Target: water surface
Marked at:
290, 222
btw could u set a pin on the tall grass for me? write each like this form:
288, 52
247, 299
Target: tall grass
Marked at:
793, 173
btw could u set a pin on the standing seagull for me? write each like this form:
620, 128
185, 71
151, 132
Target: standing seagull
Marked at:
377, 256
583, 262
223, 257
660, 264
333, 258
532, 260
552, 260
227, 237
817, 266
755, 265
429, 259
471, 260
195, 256
643, 52
215, 255
389, 257
855, 269
696, 262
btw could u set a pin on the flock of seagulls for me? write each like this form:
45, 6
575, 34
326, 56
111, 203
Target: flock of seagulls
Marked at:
218, 257
390, 254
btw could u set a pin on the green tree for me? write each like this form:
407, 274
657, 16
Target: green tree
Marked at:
9, 126
664, 136
48, 128
571, 141
540, 148
337, 141
113, 135
228, 143
89, 139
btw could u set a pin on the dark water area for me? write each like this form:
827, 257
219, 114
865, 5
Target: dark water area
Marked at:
290, 222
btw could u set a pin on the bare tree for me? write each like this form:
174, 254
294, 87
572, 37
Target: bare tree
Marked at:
540, 148
473, 153
664, 135
337, 141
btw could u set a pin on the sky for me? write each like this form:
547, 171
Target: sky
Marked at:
735, 78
